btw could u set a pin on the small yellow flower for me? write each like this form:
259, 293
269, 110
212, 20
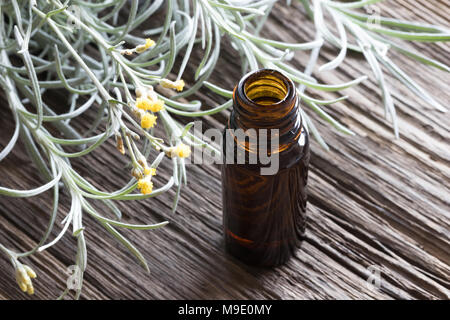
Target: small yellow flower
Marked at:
148, 120
149, 104
156, 106
178, 85
145, 185
149, 171
24, 274
148, 43
180, 151
143, 103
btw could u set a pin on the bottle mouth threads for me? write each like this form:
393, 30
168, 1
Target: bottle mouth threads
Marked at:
266, 87
265, 99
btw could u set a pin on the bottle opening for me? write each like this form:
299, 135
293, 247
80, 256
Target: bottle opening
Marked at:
266, 87
265, 99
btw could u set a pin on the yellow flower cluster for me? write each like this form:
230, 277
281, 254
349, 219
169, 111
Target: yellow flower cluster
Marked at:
177, 85
148, 120
144, 103
147, 100
145, 184
180, 151
24, 274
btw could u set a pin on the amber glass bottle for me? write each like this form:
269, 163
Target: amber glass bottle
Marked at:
264, 215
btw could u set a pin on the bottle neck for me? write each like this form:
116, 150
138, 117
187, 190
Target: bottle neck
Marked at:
266, 99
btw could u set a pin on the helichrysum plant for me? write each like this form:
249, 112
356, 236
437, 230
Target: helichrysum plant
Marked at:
81, 48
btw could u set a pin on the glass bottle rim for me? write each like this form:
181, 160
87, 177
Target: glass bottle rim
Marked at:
241, 91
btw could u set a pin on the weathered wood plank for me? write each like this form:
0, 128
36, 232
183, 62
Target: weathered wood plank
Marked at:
374, 201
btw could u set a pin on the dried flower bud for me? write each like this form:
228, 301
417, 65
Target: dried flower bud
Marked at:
137, 173
119, 143
142, 161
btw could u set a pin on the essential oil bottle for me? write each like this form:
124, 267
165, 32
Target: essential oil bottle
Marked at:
264, 214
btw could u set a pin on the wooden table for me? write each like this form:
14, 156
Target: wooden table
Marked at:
374, 202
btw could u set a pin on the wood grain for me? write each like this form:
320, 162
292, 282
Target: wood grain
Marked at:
374, 200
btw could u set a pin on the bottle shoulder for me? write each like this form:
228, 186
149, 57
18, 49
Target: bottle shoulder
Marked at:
255, 154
